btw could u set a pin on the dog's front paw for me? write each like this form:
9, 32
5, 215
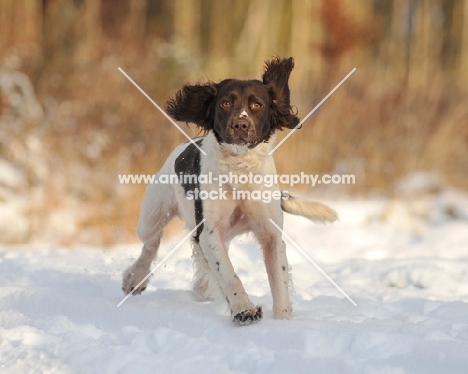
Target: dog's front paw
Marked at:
132, 278
248, 317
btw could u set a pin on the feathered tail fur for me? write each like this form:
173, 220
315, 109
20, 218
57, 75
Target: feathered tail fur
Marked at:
312, 210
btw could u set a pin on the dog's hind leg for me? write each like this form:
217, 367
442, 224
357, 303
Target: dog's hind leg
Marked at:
205, 283
158, 208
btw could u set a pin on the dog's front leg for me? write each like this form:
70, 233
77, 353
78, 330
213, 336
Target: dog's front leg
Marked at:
276, 263
243, 311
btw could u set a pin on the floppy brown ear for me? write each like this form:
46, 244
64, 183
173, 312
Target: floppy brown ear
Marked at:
277, 73
195, 104
276, 76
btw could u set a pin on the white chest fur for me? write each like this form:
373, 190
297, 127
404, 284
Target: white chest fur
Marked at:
241, 166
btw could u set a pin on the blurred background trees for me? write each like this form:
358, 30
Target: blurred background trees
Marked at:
70, 122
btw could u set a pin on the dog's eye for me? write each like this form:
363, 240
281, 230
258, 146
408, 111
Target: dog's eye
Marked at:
226, 104
255, 106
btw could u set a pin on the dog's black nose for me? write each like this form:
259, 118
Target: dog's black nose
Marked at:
240, 124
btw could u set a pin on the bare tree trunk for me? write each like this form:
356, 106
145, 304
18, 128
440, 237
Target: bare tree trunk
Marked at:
31, 26
459, 27
88, 33
187, 33
6, 24
419, 38
306, 38
135, 26
187, 24
400, 44
220, 36
21, 25
430, 40
251, 42
464, 44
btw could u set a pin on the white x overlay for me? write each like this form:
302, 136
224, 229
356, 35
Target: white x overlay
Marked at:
312, 262
270, 153
311, 112
162, 262
162, 111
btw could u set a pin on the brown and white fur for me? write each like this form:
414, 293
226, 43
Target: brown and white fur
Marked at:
240, 118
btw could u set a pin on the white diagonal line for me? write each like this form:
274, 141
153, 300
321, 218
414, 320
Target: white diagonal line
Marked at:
161, 262
313, 262
162, 111
311, 112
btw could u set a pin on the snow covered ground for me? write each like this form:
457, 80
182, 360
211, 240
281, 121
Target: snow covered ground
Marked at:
59, 314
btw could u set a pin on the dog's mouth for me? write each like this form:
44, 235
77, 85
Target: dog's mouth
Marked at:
249, 143
255, 143
241, 144
243, 139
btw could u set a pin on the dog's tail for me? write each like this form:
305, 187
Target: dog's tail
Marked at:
312, 210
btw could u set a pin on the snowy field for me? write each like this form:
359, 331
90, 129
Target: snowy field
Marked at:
407, 272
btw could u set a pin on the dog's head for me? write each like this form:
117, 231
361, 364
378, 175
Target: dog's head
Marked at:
241, 112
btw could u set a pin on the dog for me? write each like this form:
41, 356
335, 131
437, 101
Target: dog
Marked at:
239, 119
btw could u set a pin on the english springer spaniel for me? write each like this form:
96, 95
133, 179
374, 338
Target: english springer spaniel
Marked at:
239, 118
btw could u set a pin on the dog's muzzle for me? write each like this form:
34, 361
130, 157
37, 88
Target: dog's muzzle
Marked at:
242, 131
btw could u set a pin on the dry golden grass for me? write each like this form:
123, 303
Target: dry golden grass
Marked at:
381, 134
